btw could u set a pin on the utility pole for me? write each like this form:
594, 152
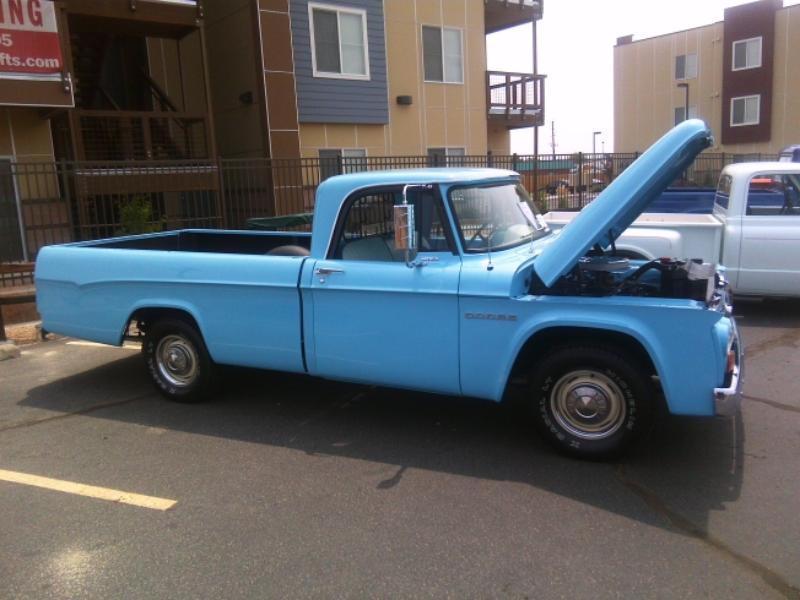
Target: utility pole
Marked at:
553, 138
535, 127
594, 154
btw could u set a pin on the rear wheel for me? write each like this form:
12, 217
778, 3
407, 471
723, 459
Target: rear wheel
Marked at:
591, 401
178, 361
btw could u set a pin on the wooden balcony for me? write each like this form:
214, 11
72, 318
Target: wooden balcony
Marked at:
502, 14
132, 135
515, 99
155, 18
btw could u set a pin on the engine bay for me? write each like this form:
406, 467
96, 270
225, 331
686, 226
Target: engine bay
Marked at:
607, 275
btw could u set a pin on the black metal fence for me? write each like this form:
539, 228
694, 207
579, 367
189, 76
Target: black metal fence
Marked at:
44, 203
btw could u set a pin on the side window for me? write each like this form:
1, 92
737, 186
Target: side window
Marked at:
367, 231
774, 194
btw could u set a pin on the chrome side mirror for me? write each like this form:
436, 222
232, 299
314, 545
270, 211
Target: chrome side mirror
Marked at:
404, 228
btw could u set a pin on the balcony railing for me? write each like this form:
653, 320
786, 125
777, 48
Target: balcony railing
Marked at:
133, 135
515, 98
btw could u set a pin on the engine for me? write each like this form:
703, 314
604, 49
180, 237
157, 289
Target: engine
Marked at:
661, 278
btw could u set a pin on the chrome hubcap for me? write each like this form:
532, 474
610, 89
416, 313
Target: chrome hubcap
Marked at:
177, 360
588, 404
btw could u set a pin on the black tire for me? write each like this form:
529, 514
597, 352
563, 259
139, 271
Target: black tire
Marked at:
178, 361
591, 402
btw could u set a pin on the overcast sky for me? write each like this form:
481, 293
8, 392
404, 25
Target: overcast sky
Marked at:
576, 45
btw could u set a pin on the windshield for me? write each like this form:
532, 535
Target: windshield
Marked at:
495, 217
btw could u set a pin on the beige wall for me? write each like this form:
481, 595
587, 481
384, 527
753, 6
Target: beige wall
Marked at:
441, 115
24, 135
499, 139
786, 94
646, 92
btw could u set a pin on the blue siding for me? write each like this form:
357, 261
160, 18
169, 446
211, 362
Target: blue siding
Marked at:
324, 100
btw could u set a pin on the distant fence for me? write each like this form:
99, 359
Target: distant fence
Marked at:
44, 203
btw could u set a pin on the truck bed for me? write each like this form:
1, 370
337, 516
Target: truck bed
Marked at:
243, 298
700, 235
207, 240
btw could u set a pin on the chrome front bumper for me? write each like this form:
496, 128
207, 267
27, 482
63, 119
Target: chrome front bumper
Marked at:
728, 400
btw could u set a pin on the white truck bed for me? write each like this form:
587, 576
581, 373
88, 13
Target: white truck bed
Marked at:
663, 234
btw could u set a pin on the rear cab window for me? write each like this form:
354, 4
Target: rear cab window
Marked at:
723, 194
774, 194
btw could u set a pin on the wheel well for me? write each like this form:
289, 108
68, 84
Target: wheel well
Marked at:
144, 317
544, 341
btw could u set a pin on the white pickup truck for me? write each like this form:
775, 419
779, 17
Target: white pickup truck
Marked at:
754, 231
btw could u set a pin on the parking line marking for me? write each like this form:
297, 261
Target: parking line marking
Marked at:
90, 491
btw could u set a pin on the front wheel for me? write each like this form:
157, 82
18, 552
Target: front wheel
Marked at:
590, 401
178, 361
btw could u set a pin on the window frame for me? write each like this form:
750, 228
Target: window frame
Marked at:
461, 153
338, 10
692, 113
342, 155
442, 29
758, 111
685, 57
344, 211
760, 40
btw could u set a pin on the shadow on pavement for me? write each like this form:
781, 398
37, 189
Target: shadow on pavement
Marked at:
697, 462
767, 312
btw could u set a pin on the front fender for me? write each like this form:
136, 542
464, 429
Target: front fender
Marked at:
676, 334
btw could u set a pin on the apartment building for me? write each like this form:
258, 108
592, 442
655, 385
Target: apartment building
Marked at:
107, 104
355, 78
102, 82
741, 75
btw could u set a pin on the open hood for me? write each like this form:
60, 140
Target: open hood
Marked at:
612, 212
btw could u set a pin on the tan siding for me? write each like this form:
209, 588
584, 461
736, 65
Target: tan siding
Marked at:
646, 93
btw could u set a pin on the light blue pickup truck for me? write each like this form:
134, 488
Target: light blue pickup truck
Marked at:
439, 280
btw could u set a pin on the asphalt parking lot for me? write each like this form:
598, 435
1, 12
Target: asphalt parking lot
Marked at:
293, 487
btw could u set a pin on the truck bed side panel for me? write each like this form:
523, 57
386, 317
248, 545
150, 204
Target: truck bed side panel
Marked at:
247, 306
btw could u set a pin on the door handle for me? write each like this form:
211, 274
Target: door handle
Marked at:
327, 271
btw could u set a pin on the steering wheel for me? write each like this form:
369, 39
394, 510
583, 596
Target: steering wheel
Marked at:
480, 235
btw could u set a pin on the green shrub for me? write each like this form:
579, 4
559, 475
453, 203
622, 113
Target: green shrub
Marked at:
136, 216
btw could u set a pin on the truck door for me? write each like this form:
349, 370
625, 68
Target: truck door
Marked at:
771, 236
375, 319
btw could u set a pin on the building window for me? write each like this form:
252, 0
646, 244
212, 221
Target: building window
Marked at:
680, 115
339, 42
440, 157
441, 48
747, 54
686, 66
336, 161
745, 110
